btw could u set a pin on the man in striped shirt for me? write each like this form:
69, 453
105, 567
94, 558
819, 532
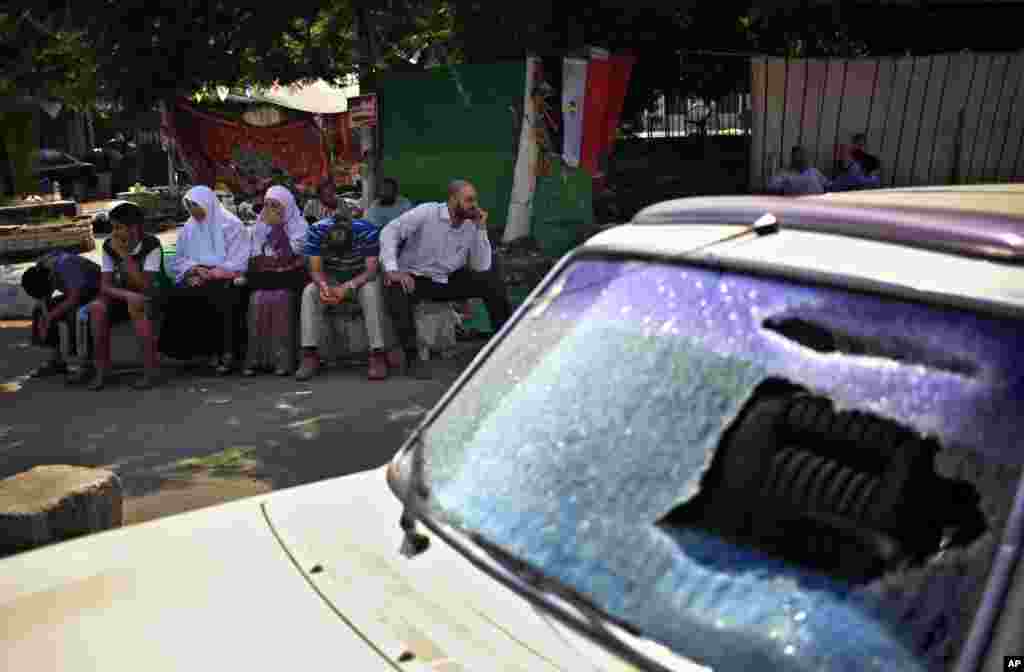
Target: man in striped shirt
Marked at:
342, 256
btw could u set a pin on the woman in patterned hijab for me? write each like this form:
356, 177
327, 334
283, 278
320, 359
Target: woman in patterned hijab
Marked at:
277, 271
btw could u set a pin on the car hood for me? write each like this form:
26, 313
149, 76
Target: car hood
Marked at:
436, 609
207, 590
307, 578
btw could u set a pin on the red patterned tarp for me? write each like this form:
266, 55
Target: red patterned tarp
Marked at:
206, 142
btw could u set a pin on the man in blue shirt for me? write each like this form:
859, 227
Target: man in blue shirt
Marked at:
77, 280
389, 204
343, 263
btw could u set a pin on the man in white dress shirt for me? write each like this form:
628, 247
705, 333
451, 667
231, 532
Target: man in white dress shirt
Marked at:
445, 256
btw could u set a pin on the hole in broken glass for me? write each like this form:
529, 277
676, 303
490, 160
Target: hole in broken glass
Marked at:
828, 340
846, 493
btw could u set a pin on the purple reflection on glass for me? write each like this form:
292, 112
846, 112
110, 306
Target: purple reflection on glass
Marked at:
611, 425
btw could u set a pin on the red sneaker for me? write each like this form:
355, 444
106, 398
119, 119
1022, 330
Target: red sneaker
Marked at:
396, 360
378, 369
310, 365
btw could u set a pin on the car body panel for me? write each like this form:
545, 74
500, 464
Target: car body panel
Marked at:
58, 165
206, 590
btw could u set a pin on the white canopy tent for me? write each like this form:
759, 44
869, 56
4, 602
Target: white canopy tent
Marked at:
320, 97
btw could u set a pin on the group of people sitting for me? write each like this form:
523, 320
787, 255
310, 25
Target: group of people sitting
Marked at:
856, 169
240, 294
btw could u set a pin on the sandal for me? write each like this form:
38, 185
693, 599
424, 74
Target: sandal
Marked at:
226, 365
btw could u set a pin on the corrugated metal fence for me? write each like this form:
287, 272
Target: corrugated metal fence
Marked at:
951, 118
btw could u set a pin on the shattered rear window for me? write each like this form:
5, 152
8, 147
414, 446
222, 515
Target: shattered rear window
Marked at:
589, 441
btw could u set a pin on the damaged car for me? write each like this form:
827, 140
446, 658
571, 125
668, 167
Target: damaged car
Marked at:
737, 433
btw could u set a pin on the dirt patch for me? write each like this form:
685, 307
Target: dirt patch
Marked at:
189, 492
197, 482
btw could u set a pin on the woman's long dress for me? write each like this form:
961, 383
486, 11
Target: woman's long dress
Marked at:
273, 318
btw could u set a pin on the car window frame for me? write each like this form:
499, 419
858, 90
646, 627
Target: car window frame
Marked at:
402, 473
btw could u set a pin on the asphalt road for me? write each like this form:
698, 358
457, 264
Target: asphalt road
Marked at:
199, 439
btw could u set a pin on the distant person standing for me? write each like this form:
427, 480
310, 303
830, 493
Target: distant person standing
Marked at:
324, 205
799, 179
389, 204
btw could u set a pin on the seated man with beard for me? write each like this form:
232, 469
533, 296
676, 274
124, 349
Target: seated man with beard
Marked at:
440, 252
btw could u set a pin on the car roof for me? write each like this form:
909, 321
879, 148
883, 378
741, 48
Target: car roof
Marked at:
991, 199
942, 252
985, 221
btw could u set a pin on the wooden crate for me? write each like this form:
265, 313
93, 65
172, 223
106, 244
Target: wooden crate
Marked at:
21, 240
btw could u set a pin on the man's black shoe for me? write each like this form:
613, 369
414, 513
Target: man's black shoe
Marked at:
418, 368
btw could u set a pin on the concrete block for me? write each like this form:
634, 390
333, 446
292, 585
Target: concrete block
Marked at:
435, 327
15, 304
54, 503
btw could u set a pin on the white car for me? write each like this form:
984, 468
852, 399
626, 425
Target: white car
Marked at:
738, 433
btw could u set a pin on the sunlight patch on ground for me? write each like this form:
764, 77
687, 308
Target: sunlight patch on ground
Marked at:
234, 460
413, 411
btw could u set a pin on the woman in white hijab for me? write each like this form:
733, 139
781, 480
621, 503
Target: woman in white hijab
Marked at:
211, 251
276, 274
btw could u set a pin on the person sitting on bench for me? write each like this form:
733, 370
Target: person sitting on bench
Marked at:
212, 251
276, 276
343, 263
446, 256
78, 281
132, 266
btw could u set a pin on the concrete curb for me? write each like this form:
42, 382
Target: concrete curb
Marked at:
15, 304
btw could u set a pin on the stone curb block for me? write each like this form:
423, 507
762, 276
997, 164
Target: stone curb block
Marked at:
53, 503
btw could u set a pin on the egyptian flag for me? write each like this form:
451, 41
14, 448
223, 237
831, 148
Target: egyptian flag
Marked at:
574, 88
607, 79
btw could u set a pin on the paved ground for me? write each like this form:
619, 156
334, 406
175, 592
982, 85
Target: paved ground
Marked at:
199, 439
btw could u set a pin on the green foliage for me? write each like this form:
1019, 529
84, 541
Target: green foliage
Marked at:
16, 132
42, 58
139, 52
